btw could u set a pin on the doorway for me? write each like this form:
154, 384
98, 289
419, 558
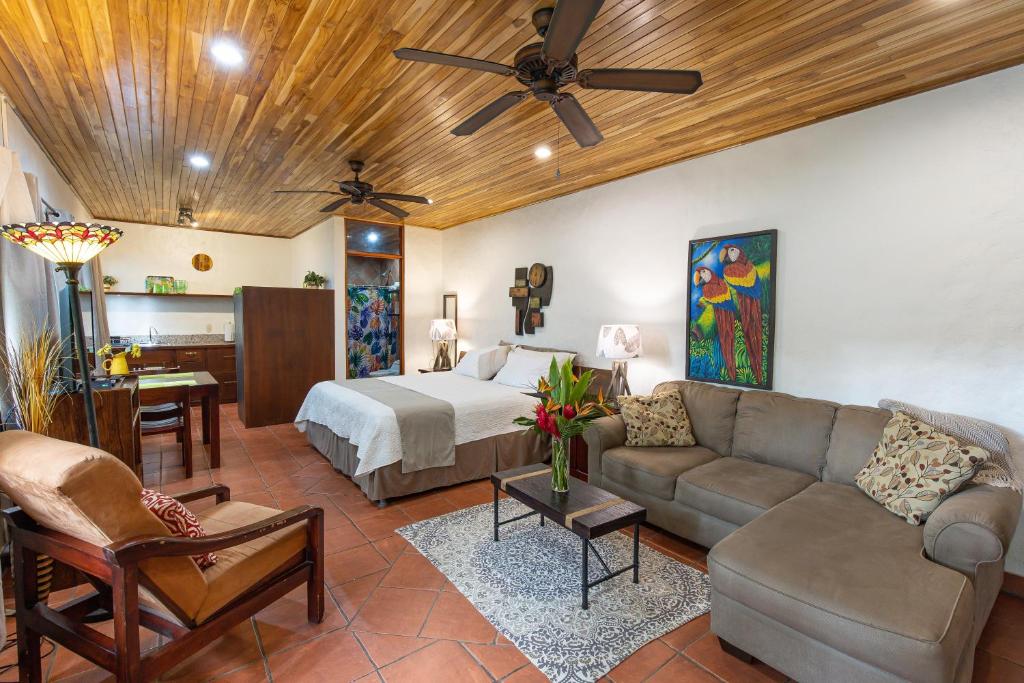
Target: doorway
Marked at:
374, 298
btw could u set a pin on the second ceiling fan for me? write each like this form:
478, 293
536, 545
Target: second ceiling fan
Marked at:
545, 67
357, 192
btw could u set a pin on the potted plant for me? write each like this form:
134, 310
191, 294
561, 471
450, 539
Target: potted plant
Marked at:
564, 412
108, 282
314, 280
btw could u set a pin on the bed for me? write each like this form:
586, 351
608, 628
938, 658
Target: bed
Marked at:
395, 436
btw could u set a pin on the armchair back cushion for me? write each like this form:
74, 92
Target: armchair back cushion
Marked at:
783, 430
712, 412
92, 496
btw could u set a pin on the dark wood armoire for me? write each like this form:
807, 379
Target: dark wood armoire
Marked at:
284, 344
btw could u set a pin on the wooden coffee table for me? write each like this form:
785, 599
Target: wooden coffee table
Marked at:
587, 511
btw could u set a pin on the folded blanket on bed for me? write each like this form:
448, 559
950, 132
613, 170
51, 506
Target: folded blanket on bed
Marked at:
426, 425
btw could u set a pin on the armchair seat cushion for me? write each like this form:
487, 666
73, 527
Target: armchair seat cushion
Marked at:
241, 567
653, 470
833, 565
738, 490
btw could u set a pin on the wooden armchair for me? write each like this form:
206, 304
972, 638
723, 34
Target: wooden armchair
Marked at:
143, 575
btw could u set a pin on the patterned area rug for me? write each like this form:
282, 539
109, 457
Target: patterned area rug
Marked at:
528, 586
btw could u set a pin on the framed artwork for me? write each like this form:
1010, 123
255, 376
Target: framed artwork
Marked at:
731, 309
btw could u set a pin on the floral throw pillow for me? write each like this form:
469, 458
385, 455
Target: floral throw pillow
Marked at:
658, 420
179, 520
914, 467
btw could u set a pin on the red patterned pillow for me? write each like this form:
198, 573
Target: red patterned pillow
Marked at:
179, 520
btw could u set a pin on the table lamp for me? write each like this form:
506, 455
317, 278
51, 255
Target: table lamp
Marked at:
70, 246
442, 331
618, 343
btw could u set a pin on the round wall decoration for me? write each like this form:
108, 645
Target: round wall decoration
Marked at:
538, 273
202, 262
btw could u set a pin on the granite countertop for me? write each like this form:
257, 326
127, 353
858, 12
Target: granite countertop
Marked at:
172, 340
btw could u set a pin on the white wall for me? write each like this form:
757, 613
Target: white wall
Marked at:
52, 186
900, 265
158, 250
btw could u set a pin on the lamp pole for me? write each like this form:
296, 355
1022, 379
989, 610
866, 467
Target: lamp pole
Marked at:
71, 271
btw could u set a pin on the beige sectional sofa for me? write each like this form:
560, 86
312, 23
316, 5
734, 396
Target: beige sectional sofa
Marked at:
808, 573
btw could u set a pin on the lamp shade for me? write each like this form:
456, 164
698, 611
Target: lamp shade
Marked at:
619, 342
64, 243
442, 329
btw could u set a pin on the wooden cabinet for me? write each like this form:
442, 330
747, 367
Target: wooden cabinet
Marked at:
285, 345
117, 418
217, 359
220, 361
191, 359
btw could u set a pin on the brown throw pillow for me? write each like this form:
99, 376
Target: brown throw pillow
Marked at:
914, 467
658, 420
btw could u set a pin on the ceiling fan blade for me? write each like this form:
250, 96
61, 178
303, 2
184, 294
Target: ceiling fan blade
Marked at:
575, 118
401, 197
568, 25
305, 192
351, 189
335, 205
643, 80
390, 208
489, 113
444, 59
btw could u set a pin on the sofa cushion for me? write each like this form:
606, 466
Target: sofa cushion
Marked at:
855, 433
653, 470
738, 490
915, 466
241, 567
783, 430
656, 420
712, 412
833, 565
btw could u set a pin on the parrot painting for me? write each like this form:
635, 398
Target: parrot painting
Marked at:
715, 293
743, 277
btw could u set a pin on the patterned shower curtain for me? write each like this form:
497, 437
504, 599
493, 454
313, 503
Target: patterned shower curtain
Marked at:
372, 330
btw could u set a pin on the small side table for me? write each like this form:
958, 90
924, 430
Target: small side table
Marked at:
578, 456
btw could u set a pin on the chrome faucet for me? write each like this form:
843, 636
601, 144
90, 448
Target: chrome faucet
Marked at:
152, 331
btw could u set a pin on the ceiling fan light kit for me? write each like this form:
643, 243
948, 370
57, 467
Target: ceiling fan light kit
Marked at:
546, 67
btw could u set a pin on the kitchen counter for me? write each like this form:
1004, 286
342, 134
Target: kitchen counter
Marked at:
190, 355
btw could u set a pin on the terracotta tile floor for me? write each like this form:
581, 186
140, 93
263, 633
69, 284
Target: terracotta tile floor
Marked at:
391, 616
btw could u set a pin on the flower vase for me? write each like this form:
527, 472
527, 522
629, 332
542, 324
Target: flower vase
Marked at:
560, 465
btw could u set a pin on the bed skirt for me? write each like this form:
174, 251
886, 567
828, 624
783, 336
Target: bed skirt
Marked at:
473, 460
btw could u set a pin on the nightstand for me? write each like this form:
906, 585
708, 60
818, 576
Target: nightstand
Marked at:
578, 454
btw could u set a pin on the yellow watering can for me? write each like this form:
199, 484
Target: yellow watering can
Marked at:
116, 364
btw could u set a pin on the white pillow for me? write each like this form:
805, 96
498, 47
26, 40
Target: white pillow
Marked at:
482, 363
524, 368
560, 356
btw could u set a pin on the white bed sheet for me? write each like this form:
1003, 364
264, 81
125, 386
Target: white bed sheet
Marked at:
482, 409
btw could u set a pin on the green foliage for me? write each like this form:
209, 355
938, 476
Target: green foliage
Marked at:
314, 279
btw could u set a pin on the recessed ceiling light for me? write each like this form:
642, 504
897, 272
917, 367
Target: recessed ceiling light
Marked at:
430, 201
194, 223
372, 237
542, 152
199, 161
227, 53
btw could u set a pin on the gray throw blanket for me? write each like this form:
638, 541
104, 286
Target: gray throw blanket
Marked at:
426, 424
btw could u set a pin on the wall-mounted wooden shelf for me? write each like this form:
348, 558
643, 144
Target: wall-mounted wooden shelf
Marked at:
187, 295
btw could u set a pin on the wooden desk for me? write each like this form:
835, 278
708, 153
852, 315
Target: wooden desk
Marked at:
201, 385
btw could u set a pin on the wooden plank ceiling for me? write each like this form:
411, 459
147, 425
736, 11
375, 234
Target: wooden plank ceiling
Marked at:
120, 92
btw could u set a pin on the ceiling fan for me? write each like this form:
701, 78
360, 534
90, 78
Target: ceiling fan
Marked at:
359, 192
546, 67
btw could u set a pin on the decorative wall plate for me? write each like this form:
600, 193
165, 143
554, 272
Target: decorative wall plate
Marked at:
202, 262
